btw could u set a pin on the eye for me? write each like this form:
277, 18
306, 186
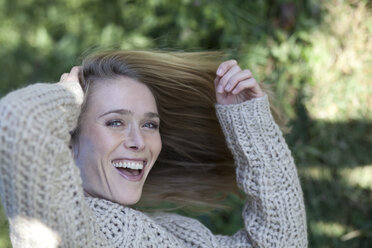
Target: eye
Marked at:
114, 123
151, 125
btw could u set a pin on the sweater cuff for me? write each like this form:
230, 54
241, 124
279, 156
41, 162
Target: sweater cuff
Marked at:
254, 112
75, 89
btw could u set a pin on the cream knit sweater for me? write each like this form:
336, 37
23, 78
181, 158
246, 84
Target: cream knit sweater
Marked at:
40, 186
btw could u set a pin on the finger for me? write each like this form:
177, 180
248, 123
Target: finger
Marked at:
73, 76
225, 66
238, 77
216, 81
226, 77
250, 84
74, 71
63, 76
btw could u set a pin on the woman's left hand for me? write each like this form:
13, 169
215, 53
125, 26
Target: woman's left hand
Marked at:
234, 85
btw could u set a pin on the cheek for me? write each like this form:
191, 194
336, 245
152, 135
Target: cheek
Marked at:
96, 143
156, 145
86, 149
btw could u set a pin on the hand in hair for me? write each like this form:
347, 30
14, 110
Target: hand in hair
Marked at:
72, 76
234, 85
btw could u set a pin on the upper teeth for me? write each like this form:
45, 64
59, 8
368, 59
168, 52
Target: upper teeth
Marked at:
126, 164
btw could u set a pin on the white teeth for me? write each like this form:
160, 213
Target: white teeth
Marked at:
135, 165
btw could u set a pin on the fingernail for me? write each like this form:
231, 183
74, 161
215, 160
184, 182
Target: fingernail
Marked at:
234, 91
219, 72
219, 89
228, 87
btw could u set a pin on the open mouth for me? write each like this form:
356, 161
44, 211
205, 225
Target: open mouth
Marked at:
132, 170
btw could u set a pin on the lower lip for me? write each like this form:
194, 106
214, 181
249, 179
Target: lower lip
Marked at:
133, 178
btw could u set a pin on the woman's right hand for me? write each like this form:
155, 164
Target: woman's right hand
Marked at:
71, 82
72, 76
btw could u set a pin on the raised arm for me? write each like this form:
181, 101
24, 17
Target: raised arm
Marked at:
40, 186
274, 215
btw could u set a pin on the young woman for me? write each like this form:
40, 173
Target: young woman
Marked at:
75, 156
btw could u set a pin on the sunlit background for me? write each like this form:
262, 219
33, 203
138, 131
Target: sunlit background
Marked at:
317, 56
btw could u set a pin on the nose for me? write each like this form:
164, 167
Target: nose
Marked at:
134, 140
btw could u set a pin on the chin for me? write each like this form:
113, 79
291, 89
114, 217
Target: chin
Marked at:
123, 198
128, 201
128, 198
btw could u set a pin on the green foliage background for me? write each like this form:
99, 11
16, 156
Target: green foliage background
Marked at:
315, 54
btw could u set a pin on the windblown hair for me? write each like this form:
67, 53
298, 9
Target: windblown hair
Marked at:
195, 166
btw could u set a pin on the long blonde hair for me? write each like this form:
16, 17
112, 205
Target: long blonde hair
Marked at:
195, 166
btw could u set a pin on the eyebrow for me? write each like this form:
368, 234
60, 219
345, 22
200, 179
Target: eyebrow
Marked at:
128, 112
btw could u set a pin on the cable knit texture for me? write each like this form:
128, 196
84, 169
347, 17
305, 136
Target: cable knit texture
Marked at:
40, 186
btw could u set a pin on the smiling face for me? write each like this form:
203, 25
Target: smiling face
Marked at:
119, 140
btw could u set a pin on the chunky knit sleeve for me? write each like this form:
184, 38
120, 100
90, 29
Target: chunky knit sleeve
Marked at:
274, 215
40, 187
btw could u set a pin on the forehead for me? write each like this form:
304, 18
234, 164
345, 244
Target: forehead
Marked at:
121, 93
